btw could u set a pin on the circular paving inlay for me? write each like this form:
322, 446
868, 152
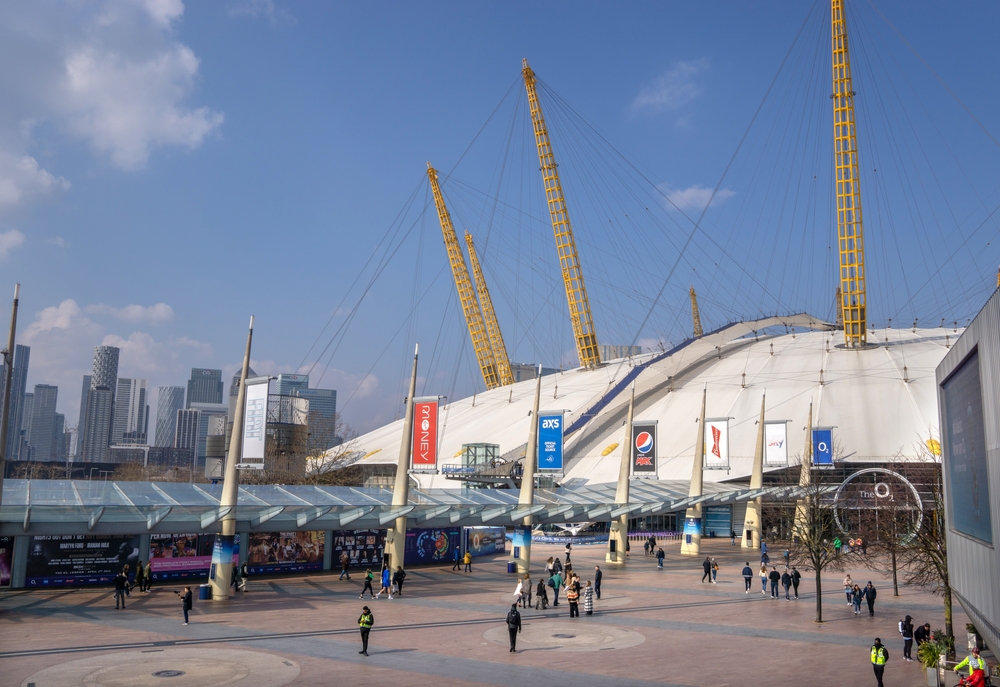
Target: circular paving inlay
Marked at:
578, 634
201, 668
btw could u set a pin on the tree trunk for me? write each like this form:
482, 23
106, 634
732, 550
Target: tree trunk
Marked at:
895, 581
947, 611
819, 597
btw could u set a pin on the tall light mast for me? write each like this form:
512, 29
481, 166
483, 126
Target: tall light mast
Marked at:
850, 235
466, 294
490, 317
569, 260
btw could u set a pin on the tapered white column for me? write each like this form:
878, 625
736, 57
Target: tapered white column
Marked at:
618, 536
805, 479
395, 536
691, 542
751, 523
5, 401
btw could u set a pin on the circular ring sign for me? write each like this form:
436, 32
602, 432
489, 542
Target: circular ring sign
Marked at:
881, 490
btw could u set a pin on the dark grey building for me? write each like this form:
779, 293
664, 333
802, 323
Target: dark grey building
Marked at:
186, 432
169, 399
100, 404
205, 386
24, 448
82, 423
322, 416
42, 432
131, 412
18, 385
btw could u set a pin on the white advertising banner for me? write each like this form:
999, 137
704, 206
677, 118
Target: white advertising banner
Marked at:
254, 426
717, 444
776, 443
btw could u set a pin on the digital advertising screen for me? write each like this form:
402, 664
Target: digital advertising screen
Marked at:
6, 560
486, 540
183, 556
431, 545
285, 552
364, 547
77, 559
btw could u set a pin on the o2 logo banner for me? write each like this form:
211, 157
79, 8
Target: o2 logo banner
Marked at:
643, 447
550, 441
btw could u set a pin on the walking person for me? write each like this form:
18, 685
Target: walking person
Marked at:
598, 574
386, 582
786, 582
848, 588
555, 582
468, 562
906, 631
660, 555
519, 591
369, 576
244, 576
140, 576
345, 562
870, 595
732, 536
456, 558
541, 596
879, 657
365, 622
526, 592
147, 576
513, 626
121, 584
550, 567
397, 579
573, 597
234, 579
187, 602
715, 570
857, 596
775, 577
645, 547
787, 556
588, 599
747, 573
763, 579
569, 550
706, 565
796, 578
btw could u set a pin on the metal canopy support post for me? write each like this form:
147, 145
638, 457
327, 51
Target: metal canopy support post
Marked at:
618, 536
691, 543
751, 521
222, 554
520, 554
395, 536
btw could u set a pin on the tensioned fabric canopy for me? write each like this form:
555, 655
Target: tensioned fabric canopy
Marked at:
101, 507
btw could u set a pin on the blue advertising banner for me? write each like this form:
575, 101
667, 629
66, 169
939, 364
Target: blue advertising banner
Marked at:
692, 528
550, 440
522, 542
222, 552
822, 447
485, 540
431, 545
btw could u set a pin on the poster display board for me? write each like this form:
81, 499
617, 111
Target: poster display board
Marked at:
184, 556
481, 541
6, 560
77, 559
285, 552
776, 443
717, 443
254, 425
425, 432
644, 448
431, 545
550, 441
363, 547
822, 446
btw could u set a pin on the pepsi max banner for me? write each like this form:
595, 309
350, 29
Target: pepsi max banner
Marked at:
822, 447
550, 440
425, 432
643, 447
775, 443
717, 444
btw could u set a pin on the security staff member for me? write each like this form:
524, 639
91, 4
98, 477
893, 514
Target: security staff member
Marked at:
879, 656
365, 622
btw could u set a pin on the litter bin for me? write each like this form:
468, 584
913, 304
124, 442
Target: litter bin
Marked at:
512, 567
205, 592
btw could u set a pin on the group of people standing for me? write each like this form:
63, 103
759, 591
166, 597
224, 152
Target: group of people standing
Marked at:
857, 594
125, 583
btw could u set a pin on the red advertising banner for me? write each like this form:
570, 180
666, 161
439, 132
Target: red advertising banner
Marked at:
425, 431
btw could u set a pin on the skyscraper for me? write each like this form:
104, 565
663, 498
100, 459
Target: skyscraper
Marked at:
169, 399
234, 389
100, 404
61, 438
23, 447
186, 435
42, 432
82, 424
18, 384
287, 384
207, 411
322, 416
130, 412
205, 386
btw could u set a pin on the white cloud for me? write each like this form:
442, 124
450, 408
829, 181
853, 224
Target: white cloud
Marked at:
693, 198
58, 241
153, 314
674, 88
21, 179
257, 9
164, 12
9, 240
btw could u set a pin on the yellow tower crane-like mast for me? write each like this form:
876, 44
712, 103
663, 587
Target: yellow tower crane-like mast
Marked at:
490, 317
850, 234
466, 294
569, 260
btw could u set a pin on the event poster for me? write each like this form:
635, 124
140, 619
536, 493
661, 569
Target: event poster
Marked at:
181, 556
550, 440
285, 552
363, 547
644, 447
425, 432
6, 560
57, 560
485, 540
775, 443
431, 545
717, 443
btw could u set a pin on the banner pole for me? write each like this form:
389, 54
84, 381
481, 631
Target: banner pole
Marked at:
8, 371
618, 537
691, 543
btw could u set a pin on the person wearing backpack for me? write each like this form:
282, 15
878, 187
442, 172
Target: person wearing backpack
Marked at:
906, 631
369, 576
513, 626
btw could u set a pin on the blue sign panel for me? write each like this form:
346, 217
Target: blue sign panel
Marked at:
550, 441
822, 447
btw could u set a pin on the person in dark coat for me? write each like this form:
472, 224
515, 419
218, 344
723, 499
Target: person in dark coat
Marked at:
796, 578
922, 634
397, 579
513, 626
906, 630
879, 657
786, 582
541, 596
775, 578
121, 584
870, 595
747, 576
598, 574
365, 622
706, 565
187, 601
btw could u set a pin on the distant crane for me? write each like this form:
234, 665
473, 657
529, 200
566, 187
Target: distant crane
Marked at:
466, 294
850, 233
490, 317
569, 260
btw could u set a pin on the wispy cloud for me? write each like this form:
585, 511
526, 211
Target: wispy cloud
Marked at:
9, 240
21, 179
673, 89
58, 241
261, 9
693, 198
153, 314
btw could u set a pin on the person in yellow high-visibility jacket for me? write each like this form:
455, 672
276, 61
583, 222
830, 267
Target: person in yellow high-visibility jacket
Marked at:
977, 668
880, 655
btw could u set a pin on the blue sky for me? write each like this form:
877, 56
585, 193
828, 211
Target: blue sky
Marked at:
169, 168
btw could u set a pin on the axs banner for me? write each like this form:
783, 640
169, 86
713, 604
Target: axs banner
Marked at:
643, 447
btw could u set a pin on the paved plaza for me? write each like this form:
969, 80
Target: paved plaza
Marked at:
662, 627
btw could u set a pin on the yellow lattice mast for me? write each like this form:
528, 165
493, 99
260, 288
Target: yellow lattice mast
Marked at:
490, 317
569, 259
850, 234
466, 294
695, 316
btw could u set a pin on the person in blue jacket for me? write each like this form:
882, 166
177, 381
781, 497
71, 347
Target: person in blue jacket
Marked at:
386, 582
